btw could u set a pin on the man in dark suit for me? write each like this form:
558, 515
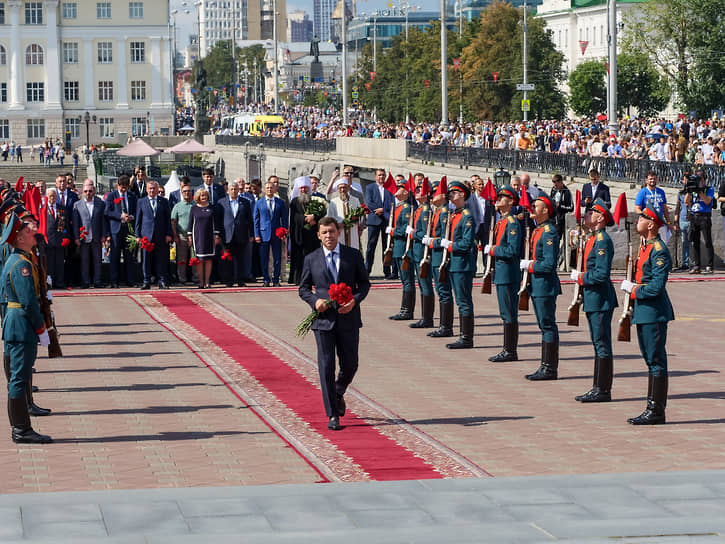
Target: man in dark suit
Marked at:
153, 221
270, 213
55, 232
238, 234
121, 212
595, 189
216, 191
91, 229
338, 327
139, 182
66, 200
380, 202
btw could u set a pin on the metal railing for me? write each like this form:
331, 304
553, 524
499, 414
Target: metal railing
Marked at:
284, 144
669, 174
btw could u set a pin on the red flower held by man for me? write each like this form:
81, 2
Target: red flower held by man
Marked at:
227, 256
83, 233
117, 200
340, 293
194, 261
65, 242
281, 233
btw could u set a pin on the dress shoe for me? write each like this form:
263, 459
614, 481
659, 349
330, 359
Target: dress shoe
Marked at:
275, 284
708, 270
334, 424
229, 284
162, 285
145, 287
85, 286
99, 286
241, 284
341, 407
114, 286
265, 284
694, 270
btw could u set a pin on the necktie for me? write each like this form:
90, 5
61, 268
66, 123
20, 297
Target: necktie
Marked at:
153, 206
62, 198
211, 194
124, 209
332, 267
52, 212
270, 205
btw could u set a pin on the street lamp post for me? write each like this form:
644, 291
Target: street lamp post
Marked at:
87, 118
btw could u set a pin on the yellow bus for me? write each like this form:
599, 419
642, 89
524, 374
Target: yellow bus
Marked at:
263, 122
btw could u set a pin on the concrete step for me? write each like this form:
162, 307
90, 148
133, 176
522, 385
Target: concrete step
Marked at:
33, 171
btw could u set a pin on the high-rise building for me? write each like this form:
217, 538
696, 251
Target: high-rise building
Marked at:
322, 15
299, 27
64, 62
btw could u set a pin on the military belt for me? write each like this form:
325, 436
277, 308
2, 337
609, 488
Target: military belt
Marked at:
15, 305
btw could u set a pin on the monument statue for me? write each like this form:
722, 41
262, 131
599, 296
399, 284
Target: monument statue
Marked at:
315, 48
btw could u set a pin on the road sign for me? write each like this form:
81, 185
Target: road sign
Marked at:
525, 86
355, 94
526, 105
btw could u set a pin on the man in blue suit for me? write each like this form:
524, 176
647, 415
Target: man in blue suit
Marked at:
153, 221
595, 189
380, 202
88, 214
338, 327
238, 232
270, 213
121, 212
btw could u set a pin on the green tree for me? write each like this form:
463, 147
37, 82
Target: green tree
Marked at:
640, 85
220, 65
587, 88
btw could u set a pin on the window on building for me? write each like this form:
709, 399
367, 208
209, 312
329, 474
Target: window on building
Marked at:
71, 91
35, 91
138, 52
3, 92
2, 13
135, 10
105, 125
4, 129
105, 91
138, 126
105, 52
3, 56
103, 10
73, 126
70, 52
33, 54
138, 90
33, 13
70, 10
36, 129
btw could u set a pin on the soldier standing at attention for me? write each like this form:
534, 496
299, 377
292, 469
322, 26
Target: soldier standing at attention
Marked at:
545, 286
462, 264
420, 225
23, 326
599, 299
440, 219
400, 232
652, 312
506, 252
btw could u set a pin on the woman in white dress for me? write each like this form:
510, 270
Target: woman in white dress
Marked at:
339, 206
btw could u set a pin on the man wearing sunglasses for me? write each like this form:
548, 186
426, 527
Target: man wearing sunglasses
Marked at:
120, 211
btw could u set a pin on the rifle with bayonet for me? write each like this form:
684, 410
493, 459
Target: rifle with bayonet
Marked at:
425, 261
525, 278
625, 321
578, 297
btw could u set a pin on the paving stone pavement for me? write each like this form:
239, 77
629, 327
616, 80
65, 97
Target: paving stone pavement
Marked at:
152, 447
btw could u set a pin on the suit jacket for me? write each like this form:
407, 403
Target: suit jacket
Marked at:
139, 188
53, 223
71, 199
217, 193
372, 198
264, 225
351, 272
96, 223
157, 227
239, 227
113, 211
174, 197
601, 191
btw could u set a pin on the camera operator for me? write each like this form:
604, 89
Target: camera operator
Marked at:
699, 199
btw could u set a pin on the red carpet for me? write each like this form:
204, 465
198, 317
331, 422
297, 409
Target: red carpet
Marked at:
377, 454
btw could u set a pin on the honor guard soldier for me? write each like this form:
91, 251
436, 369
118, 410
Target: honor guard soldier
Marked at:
652, 312
462, 249
441, 216
599, 299
23, 325
545, 285
421, 220
506, 252
400, 232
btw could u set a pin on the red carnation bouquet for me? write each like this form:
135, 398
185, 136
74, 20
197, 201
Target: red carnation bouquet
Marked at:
146, 244
226, 255
83, 233
117, 200
65, 242
365, 208
281, 233
340, 293
194, 261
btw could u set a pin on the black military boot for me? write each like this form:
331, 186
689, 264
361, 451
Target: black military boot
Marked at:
427, 307
445, 330
465, 340
654, 414
403, 306
510, 344
549, 363
22, 431
34, 409
407, 307
598, 393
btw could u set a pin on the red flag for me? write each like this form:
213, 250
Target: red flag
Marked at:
442, 187
19, 185
367, 85
495, 76
620, 209
489, 191
578, 206
390, 184
372, 76
425, 188
583, 46
410, 186
426, 82
32, 199
524, 200
456, 64
43, 222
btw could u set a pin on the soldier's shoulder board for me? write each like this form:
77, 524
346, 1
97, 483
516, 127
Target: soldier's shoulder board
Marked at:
547, 228
658, 245
405, 205
466, 212
600, 236
511, 219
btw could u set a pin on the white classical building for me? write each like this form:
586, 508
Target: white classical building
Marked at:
60, 60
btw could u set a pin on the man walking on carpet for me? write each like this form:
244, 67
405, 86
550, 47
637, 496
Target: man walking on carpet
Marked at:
338, 327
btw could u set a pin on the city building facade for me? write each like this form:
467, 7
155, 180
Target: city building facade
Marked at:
299, 27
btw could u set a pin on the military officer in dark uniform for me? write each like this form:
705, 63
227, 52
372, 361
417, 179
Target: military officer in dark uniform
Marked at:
421, 219
506, 251
440, 219
599, 299
462, 249
652, 312
23, 326
400, 232
545, 285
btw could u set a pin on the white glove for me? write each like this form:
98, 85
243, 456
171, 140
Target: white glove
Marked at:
524, 264
388, 230
627, 286
426, 240
49, 281
575, 275
409, 230
44, 338
49, 296
487, 249
445, 244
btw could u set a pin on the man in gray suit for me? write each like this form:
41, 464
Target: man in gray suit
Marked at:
91, 228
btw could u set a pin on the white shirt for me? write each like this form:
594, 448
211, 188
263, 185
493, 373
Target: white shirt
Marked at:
336, 251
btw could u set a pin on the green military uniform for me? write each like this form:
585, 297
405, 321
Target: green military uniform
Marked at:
422, 217
652, 311
443, 287
402, 217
